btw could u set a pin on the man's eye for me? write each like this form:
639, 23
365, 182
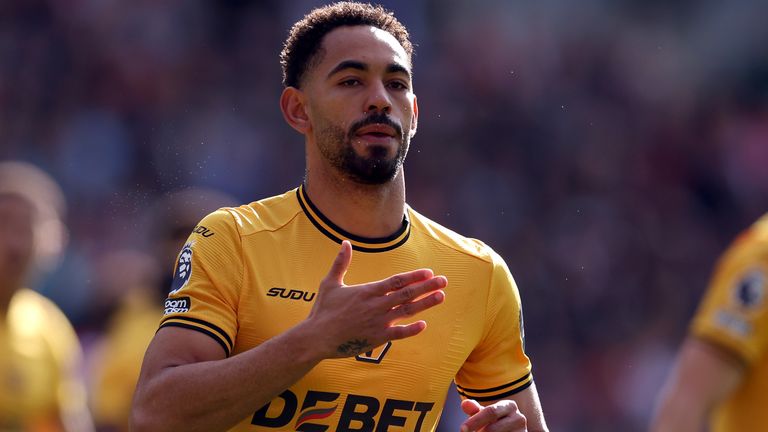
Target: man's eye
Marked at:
350, 82
398, 85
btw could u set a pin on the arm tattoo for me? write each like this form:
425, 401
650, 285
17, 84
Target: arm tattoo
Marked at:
353, 347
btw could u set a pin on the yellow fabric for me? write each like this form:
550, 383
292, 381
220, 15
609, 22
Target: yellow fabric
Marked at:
117, 360
734, 315
254, 274
39, 357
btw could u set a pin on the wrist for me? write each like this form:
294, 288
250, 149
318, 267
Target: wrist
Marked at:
310, 342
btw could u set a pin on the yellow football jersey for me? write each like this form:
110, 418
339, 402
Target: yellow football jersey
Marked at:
247, 274
734, 315
39, 358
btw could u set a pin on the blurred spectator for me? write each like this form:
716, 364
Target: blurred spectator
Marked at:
720, 379
134, 285
40, 356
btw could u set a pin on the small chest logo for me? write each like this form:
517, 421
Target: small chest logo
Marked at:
375, 355
292, 294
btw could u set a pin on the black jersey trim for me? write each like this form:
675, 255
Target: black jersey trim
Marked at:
199, 329
222, 334
337, 234
497, 396
495, 389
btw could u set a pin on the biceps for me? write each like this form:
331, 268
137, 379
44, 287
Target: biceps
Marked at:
176, 346
705, 373
528, 403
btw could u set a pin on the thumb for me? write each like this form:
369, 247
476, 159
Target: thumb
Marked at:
340, 264
470, 407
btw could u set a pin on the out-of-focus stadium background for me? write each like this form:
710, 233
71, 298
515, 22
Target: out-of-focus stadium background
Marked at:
609, 150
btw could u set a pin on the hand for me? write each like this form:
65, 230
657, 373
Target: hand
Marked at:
503, 416
354, 319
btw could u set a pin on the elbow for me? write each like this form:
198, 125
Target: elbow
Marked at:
141, 420
145, 419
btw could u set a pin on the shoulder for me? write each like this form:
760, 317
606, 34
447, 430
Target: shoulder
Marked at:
35, 307
749, 248
40, 316
453, 241
269, 214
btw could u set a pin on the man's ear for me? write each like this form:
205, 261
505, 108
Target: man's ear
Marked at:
415, 116
292, 104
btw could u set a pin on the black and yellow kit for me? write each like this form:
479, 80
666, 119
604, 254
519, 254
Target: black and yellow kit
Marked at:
249, 273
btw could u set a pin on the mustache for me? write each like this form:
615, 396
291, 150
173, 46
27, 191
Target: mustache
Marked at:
376, 118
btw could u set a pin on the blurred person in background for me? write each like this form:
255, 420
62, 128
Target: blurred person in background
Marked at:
250, 342
721, 376
40, 355
141, 280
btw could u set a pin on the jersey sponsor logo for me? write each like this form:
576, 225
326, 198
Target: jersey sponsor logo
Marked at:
292, 294
749, 291
358, 413
177, 305
183, 268
375, 355
203, 231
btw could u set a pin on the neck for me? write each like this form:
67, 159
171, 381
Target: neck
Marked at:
365, 210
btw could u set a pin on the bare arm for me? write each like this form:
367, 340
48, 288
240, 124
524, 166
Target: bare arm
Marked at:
187, 383
521, 412
703, 376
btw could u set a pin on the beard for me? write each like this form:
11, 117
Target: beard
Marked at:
376, 167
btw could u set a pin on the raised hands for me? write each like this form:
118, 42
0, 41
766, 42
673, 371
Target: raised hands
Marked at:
357, 318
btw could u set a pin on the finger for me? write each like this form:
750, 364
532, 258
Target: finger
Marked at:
415, 290
340, 264
412, 308
511, 423
490, 414
405, 331
470, 407
399, 281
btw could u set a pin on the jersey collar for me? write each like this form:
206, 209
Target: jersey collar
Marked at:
335, 233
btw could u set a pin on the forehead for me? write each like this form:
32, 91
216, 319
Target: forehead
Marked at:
362, 43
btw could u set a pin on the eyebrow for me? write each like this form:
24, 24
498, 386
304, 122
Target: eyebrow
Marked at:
358, 65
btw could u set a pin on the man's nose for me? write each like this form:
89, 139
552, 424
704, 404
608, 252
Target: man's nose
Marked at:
378, 99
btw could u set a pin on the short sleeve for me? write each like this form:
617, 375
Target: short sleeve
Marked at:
734, 311
498, 366
207, 279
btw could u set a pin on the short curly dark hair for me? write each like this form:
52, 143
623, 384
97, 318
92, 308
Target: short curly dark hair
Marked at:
306, 36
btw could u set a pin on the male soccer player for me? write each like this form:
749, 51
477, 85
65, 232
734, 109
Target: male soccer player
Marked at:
721, 375
40, 356
260, 335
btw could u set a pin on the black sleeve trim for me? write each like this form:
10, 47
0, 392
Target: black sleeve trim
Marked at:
498, 396
201, 330
222, 334
494, 389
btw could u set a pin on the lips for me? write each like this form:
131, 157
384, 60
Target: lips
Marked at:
378, 130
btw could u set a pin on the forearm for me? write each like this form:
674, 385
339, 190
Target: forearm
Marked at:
216, 395
678, 414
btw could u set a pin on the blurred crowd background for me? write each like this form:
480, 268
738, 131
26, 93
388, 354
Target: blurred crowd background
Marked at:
609, 150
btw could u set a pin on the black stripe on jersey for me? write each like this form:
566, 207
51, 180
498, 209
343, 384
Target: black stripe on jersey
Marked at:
222, 334
493, 389
303, 198
201, 330
498, 396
